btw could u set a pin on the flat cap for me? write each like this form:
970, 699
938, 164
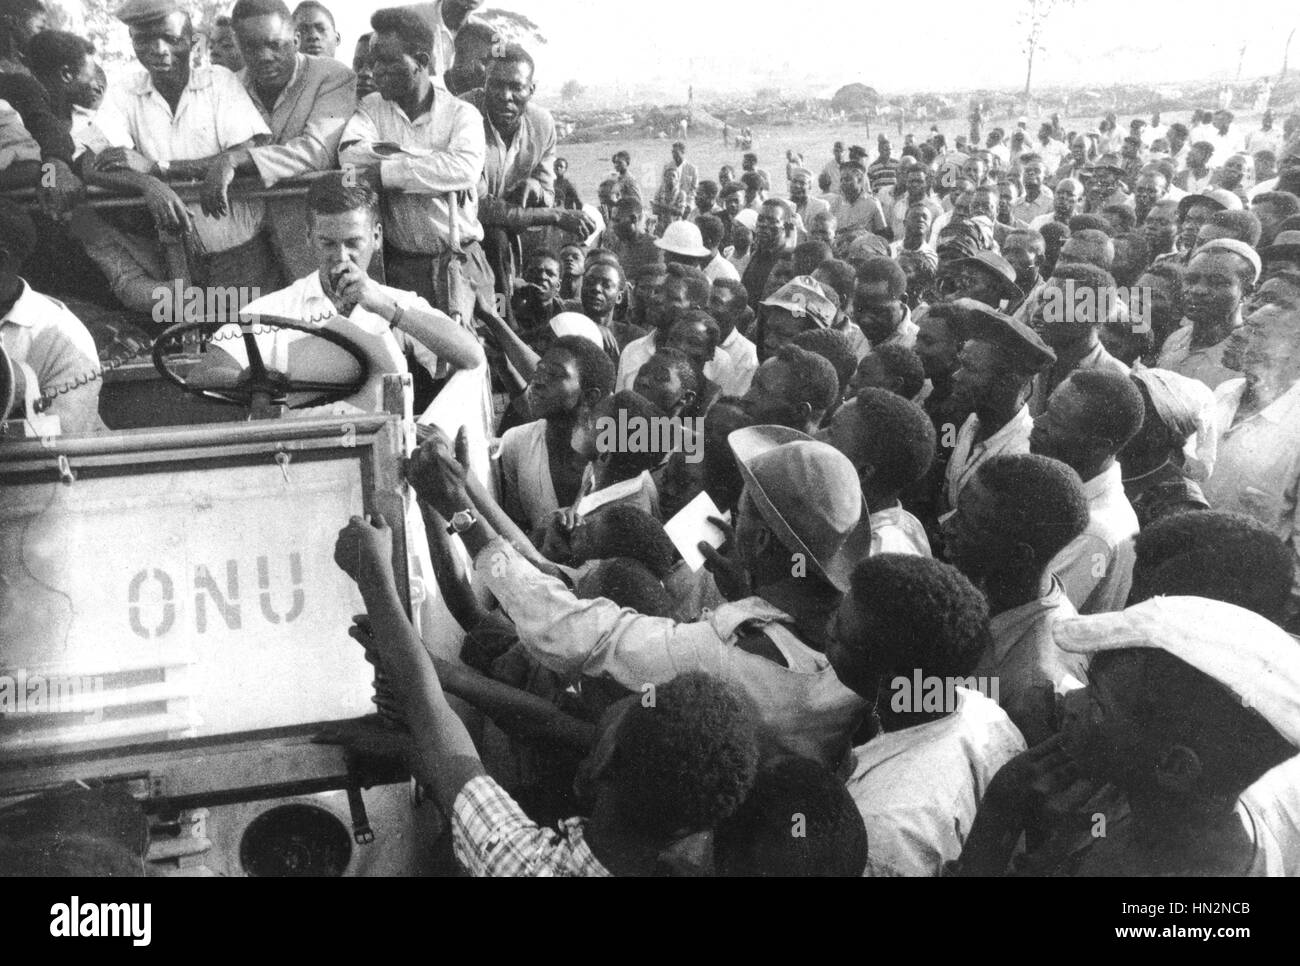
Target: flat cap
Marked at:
140, 11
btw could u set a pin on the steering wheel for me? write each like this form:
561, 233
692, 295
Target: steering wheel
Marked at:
258, 386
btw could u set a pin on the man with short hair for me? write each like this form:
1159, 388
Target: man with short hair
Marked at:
915, 182
52, 356
793, 388
602, 287
1272, 208
716, 266
883, 172
1066, 202
856, 210
344, 232
1257, 417
1014, 516
305, 101
1151, 187
878, 307
1089, 246
317, 33
517, 187
706, 201
223, 48
428, 149
1160, 228
1089, 419
995, 377
1075, 304
890, 442
775, 236
831, 169
1197, 176
687, 176
633, 247
806, 206
1226, 140
1038, 198
1220, 276
628, 186
174, 121
476, 43
919, 781
1025, 251
729, 306
683, 287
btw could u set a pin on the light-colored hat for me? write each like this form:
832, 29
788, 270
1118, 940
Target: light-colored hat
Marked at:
1221, 197
575, 323
804, 295
1186, 406
747, 217
142, 11
682, 238
1235, 247
806, 491
1251, 656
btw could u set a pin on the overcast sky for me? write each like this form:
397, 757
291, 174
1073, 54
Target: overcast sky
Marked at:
821, 44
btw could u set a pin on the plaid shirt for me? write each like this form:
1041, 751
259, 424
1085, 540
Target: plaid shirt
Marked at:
492, 836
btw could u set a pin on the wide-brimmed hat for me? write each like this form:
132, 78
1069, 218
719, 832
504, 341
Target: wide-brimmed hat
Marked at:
806, 491
1249, 655
1222, 198
682, 238
997, 267
804, 296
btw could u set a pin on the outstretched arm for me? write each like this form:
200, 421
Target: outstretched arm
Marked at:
443, 754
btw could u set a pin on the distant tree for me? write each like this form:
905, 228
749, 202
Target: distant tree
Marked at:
1033, 19
855, 97
571, 91
513, 27
94, 20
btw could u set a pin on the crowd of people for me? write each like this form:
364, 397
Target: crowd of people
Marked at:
998, 447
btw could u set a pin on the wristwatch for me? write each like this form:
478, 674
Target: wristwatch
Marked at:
461, 521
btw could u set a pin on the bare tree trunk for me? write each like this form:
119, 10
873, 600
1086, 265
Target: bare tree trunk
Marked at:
1286, 52
1029, 71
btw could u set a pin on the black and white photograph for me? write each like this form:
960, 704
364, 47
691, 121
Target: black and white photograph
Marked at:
670, 440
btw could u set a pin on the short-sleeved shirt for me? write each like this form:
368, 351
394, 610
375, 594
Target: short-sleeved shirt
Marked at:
1096, 567
918, 789
1204, 364
305, 301
213, 115
1257, 470
1027, 663
863, 213
40, 333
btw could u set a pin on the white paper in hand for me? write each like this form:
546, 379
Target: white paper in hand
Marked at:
691, 525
